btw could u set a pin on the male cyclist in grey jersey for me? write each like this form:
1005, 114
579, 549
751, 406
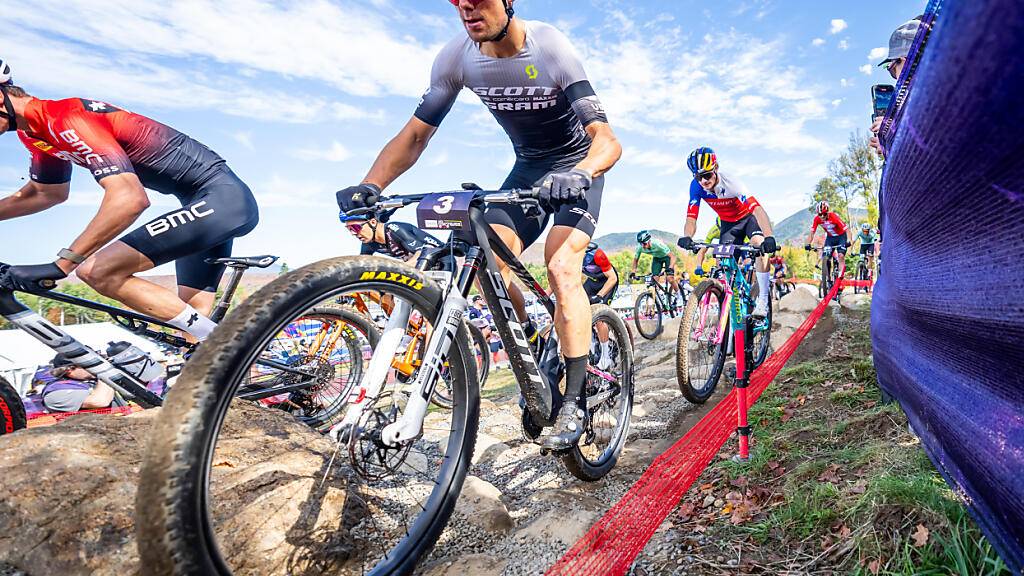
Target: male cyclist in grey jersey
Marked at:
531, 80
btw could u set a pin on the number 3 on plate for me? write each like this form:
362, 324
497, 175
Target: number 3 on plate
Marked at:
444, 204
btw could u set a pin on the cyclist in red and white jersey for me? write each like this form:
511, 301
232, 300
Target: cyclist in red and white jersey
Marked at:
836, 231
127, 153
742, 216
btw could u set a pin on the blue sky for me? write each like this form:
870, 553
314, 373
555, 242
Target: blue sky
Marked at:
300, 96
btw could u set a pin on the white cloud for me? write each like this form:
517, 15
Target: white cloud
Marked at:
837, 102
666, 163
845, 82
837, 25
843, 45
335, 153
244, 138
877, 53
866, 69
818, 42
437, 159
288, 191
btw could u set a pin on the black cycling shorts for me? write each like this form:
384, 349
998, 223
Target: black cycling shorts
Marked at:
592, 287
867, 248
740, 231
582, 215
837, 242
221, 210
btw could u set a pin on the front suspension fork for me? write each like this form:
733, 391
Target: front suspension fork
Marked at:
744, 364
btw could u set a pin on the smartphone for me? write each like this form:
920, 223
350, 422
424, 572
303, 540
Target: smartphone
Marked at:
881, 97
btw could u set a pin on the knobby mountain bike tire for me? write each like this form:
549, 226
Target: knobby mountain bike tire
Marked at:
12, 411
699, 362
174, 514
647, 309
619, 407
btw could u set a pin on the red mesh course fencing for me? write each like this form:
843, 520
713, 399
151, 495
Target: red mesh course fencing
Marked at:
614, 542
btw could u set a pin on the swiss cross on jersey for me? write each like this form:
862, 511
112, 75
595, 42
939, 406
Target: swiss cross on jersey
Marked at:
99, 107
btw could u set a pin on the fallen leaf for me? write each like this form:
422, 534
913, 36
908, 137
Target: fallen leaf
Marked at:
787, 413
224, 463
831, 474
740, 482
826, 542
873, 566
859, 487
772, 464
686, 510
801, 399
734, 498
871, 404
920, 536
844, 531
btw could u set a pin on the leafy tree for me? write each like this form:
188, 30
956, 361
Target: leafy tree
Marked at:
852, 176
284, 269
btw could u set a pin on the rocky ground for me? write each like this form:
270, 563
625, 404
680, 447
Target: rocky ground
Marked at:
518, 513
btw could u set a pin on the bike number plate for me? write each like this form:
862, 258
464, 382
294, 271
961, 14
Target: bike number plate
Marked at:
724, 251
445, 211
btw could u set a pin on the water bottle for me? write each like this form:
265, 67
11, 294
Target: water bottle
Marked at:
134, 361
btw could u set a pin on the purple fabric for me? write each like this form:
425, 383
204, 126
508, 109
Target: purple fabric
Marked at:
948, 310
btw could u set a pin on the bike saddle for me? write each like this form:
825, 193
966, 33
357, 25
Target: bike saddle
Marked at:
245, 261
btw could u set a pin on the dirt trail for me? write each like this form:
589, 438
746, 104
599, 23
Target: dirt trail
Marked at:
548, 507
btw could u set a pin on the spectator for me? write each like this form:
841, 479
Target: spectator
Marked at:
496, 346
480, 316
74, 388
900, 42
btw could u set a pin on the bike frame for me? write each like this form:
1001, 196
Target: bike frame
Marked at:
481, 247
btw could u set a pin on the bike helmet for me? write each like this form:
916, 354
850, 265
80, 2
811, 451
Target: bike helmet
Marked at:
592, 246
345, 218
8, 110
823, 207
865, 226
643, 237
702, 159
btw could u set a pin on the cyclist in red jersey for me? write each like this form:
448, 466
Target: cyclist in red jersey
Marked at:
127, 153
836, 231
742, 216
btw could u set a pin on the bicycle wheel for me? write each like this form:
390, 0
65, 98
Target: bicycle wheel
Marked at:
647, 315
700, 356
609, 400
482, 353
211, 456
12, 411
826, 277
759, 333
327, 342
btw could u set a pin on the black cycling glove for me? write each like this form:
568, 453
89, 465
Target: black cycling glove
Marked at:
686, 243
33, 277
361, 196
769, 245
565, 187
596, 299
807, 247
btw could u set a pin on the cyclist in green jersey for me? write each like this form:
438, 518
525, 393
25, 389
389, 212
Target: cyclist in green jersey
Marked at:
867, 239
664, 262
714, 234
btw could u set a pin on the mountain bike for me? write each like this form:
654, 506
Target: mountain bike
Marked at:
863, 275
397, 468
830, 267
781, 287
717, 322
656, 300
305, 371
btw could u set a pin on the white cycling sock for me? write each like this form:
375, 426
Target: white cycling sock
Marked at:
763, 284
191, 321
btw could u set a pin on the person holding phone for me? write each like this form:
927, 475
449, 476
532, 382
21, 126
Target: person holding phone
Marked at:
900, 42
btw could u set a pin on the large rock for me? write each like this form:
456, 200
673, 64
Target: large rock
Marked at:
487, 448
564, 526
856, 301
70, 492
800, 301
480, 504
639, 453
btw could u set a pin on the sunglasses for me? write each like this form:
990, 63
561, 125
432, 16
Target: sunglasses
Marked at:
474, 3
892, 68
706, 176
355, 228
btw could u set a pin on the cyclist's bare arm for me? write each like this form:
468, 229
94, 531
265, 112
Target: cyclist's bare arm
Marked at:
124, 200
604, 152
763, 221
609, 284
400, 153
33, 197
690, 227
